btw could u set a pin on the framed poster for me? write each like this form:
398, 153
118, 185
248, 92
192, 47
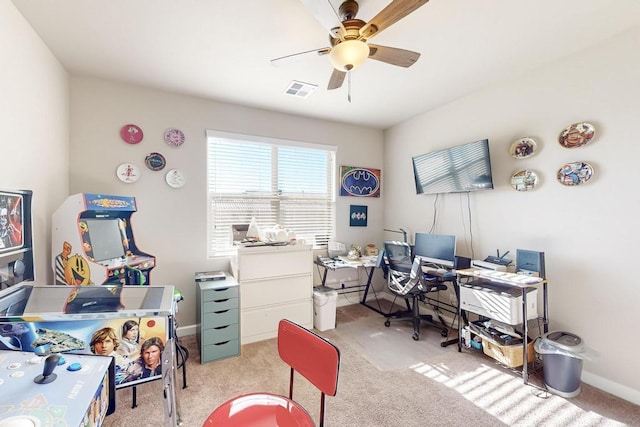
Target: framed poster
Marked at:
357, 216
359, 182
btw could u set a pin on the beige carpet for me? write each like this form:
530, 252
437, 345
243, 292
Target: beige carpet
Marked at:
386, 379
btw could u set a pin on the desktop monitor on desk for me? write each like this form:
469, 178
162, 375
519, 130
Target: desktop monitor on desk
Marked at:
436, 248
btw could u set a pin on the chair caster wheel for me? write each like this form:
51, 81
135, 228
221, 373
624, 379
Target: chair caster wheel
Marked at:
444, 334
415, 336
387, 323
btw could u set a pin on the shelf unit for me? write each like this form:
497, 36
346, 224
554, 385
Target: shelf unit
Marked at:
218, 308
469, 274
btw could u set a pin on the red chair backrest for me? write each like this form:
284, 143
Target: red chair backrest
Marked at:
310, 355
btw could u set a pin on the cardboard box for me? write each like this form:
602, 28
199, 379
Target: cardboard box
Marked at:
510, 355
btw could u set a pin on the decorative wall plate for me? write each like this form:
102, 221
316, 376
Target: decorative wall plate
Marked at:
155, 161
574, 173
131, 134
577, 135
523, 148
174, 137
524, 180
175, 178
128, 172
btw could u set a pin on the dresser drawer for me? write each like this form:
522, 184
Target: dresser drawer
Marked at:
220, 293
276, 291
221, 334
223, 318
259, 324
257, 266
220, 350
219, 305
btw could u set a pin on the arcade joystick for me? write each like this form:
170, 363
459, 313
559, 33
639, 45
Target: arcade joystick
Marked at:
48, 376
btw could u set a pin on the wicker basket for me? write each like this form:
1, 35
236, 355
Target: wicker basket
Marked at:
510, 355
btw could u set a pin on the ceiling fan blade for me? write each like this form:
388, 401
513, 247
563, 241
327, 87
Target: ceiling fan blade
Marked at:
393, 55
336, 80
395, 11
324, 13
301, 56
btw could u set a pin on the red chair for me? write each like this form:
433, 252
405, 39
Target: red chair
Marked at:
306, 353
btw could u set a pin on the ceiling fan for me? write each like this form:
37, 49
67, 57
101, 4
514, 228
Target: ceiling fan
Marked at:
348, 36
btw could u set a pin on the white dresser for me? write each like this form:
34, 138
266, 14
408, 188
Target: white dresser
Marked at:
276, 282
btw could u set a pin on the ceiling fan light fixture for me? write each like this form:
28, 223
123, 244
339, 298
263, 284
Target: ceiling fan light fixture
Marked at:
348, 55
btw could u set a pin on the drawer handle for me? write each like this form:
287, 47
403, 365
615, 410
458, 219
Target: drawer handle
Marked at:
221, 311
221, 300
222, 327
222, 343
221, 289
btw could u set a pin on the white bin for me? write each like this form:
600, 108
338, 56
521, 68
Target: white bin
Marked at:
324, 310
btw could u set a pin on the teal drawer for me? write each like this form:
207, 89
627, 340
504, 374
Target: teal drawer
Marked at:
221, 334
219, 305
221, 318
220, 293
220, 351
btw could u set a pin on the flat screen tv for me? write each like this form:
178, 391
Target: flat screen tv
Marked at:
458, 169
436, 248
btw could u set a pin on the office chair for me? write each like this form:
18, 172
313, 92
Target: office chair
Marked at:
310, 355
406, 280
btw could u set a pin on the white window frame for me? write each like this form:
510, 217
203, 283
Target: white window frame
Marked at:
219, 233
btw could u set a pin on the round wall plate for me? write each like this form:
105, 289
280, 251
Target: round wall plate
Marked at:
574, 173
175, 178
155, 161
577, 135
128, 173
524, 180
131, 134
523, 148
174, 137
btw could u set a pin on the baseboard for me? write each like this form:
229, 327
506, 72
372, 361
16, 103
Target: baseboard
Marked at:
619, 390
183, 331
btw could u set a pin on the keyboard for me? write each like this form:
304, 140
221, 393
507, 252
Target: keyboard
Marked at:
506, 277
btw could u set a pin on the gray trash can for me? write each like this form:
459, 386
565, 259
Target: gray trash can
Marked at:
562, 355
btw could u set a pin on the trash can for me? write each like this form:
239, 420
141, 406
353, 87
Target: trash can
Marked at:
562, 355
324, 310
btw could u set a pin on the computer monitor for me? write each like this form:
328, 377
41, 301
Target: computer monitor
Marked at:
436, 248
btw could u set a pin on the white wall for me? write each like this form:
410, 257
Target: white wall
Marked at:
171, 223
34, 118
588, 233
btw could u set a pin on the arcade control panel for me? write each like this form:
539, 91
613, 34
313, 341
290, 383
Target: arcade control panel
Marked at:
56, 390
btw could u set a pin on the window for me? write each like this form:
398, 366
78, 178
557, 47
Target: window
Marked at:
274, 181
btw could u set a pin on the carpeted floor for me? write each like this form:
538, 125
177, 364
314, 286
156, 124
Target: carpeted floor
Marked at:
386, 379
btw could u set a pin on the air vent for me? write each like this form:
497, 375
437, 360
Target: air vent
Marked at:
300, 89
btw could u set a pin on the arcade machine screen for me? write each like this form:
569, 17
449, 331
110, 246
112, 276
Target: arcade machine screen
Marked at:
106, 238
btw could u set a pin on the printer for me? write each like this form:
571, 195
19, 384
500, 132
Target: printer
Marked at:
499, 301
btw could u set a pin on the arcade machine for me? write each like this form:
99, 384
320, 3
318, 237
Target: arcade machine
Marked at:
93, 242
57, 390
133, 324
16, 244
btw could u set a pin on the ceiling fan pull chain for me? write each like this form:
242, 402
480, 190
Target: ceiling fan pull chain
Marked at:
349, 86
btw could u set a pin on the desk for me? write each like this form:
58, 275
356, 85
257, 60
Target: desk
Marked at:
525, 287
366, 263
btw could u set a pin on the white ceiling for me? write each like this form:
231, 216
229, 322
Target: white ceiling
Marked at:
221, 50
